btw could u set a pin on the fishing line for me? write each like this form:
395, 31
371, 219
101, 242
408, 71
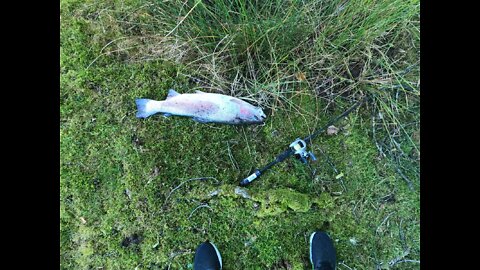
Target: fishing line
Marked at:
298, 148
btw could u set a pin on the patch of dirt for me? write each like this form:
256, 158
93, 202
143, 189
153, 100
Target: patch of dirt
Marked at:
95, 87
282, 264
133, 239
136, 141
390, 198
96, 183
355, 69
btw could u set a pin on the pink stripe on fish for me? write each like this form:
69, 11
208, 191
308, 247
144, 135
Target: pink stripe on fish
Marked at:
244, 111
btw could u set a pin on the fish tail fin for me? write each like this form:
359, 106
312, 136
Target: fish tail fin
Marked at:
146, 107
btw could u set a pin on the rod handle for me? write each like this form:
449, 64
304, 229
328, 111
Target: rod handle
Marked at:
245, 182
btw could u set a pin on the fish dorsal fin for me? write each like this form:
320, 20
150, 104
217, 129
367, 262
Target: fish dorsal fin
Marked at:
199, 92
172, 93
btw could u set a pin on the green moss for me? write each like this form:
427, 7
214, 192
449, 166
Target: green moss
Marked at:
127, 176
274, 202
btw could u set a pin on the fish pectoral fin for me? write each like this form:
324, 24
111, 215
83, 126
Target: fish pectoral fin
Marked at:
200, 120
172, 93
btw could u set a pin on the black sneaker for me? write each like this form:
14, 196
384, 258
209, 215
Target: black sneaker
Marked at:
207, 257
322, 252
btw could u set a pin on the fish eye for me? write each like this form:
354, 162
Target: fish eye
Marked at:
260, 111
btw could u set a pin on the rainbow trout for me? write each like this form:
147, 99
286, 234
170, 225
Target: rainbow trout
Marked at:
203, 108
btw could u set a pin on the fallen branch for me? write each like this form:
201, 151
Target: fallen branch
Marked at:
399, 258
198, 207
409, 182
383, 222
343, 264
173, 255
411, 261
186, 181
235, 165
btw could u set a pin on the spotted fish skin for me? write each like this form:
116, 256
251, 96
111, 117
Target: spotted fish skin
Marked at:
203, 107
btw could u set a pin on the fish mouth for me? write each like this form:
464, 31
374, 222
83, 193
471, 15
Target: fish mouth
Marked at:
260, 118
260, 115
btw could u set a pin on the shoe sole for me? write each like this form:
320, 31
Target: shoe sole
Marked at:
218, 254
311, 239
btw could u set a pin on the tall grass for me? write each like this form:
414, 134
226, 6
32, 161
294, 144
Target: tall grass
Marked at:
264, 51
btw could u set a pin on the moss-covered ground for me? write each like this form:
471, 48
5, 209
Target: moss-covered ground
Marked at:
143, 193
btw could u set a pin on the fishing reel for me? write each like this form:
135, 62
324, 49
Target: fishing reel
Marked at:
300, 151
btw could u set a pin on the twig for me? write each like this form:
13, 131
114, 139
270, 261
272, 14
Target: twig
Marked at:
399, 258
375, 137
188, 180
397, 145
355, 213
409, 182
235, 165
343, 264
198, 207
246, 140
402, 235
412, 261
173, 255
334, 168
385, 220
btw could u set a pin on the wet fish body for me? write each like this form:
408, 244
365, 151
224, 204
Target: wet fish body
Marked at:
203, 107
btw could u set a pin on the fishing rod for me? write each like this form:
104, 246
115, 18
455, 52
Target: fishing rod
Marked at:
299, 147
